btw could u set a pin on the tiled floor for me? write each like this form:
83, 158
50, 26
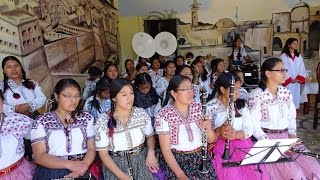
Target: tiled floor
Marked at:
310, 136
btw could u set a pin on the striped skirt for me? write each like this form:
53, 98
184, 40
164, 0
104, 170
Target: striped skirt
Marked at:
43, 173
139, 167
190, 164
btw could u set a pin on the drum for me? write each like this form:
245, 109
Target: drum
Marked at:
251, 75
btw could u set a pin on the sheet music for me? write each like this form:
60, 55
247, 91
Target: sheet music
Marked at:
262, 147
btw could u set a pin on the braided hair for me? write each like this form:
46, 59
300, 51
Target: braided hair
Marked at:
174, 84
239, 51
267, 65
26, 82
101, 85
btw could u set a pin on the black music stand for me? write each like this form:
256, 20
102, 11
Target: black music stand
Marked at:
264, 152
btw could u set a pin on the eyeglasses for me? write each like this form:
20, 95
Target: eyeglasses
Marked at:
186, 89
280, 70
69, 97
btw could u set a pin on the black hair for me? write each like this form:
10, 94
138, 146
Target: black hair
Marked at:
26, 82
140, 58
125, 65
239, 51
174, 84
268, 64
180, 68
204, 75
60, 86
105, 70
107, 62
214, 65
154, 58
140, 65
286, 48
115, 87
94, 71
101, 85
166, 64
189, 54
176, 59
142, 79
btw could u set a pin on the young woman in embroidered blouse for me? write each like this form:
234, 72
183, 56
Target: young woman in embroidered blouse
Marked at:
238, 133
110, 72
168, 73
63, 139
179, 126
274, 115
155, 72
20, 94
121, 135
13, 127
100, 102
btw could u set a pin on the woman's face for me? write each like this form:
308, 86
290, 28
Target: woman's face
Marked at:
187, 72
180, 61
112, 72
68, 99
130, 65
294, 45
198, 68
12, 69
278, 74
226, 91
104, 94
220, 67
156, 64
184, 94
171, 69
238, 43
124, 99
143, 69
144, 88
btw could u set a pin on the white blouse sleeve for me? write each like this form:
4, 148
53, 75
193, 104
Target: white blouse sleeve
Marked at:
102, 138
90, 128
247, 126
292, 127
39, 99
162, 126
255, 110
161, 86
38, 132
148, 129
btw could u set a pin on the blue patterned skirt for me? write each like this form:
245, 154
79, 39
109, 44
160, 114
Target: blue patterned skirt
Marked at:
42, 173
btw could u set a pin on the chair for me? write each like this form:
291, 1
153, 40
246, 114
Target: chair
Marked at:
317, 100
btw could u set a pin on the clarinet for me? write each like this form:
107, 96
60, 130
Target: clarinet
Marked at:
130, 171
317, 156
204, 161
230, 110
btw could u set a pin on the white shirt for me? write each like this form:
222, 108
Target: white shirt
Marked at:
235, 54
88, 88
48, 128
243, 94
14, 128
104, 104
125, 137
34, 97
161, 85
185, 134
155, 76
218, 112
276, 112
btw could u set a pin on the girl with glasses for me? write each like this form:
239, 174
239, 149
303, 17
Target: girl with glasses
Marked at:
239, 132
296, 74
63, 139
274, 117
179, 126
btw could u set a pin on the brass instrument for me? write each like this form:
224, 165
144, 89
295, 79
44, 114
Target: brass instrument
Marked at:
229, 121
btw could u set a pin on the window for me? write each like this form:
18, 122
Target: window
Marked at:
297, 30
278, 28
24, 33
264, 50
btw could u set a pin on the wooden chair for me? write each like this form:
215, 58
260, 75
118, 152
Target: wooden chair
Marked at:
317, 100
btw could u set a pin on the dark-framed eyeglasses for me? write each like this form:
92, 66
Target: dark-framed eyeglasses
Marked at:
280, 70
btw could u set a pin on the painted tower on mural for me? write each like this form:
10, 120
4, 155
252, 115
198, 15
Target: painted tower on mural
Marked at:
194, 13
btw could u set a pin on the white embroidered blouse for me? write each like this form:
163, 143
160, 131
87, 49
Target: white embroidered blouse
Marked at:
276, 112
125, 136
60, 140
15, 127
34, 97
185, 134
218, 112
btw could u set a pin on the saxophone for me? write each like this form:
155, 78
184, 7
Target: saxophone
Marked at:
230, 110
205, 160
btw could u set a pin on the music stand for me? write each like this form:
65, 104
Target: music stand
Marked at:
264, 151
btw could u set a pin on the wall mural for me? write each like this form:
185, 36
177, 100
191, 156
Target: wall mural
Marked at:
58, 38
207, 27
